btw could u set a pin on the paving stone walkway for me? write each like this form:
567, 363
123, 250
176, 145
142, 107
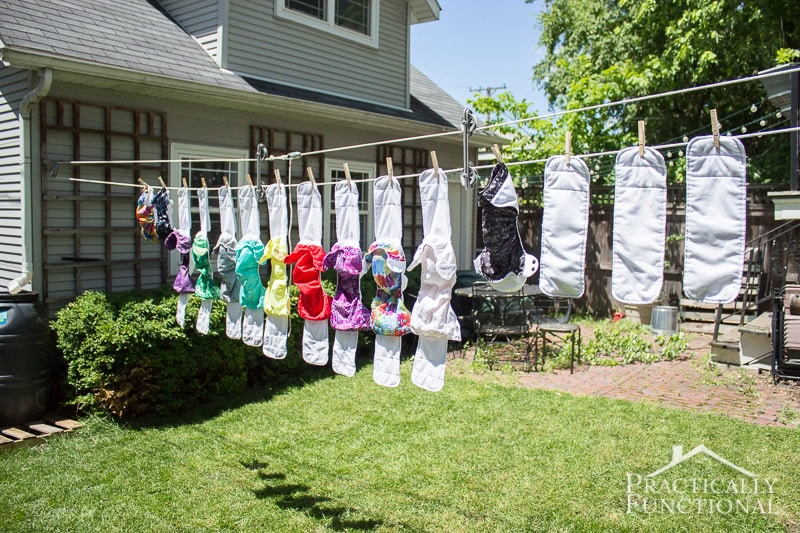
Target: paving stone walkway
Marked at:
689, 383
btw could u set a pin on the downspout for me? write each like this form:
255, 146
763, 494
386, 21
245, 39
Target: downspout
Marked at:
26, 194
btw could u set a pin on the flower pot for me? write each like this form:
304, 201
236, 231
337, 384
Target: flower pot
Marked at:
639, 314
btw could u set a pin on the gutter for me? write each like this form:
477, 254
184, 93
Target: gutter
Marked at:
26, 194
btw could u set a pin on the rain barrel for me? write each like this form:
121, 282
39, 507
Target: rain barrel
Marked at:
26, 365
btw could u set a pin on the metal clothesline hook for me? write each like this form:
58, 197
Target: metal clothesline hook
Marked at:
54, 170
261, 155
468, 125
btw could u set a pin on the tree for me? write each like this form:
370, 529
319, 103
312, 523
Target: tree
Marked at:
599, 51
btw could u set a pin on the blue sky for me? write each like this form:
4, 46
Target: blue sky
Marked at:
501, 47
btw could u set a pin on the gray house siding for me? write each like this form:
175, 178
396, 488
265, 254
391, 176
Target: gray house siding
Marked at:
14, 84
193, 124
265, 46
202, 19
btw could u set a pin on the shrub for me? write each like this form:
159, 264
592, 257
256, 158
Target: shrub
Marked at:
132, 359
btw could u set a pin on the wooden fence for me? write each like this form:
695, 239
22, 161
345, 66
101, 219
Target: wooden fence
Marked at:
597, 299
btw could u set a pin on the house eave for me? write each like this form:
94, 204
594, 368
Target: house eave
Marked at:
74, 70
424, 10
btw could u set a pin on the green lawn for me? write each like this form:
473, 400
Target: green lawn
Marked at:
347, 454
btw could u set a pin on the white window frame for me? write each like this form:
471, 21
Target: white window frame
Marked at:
329, 230
197, 151
329, 24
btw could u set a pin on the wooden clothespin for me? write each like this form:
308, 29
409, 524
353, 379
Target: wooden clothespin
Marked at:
568, 146
715, 128
641, 138
310, 174
435, 161
161, 181
277, 173
249, 180
143, 183
185, 184
225, 181
347, 176
203, 181
497, 153
389, 169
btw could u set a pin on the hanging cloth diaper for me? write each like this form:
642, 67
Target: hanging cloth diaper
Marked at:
249, 250
348, 314
432, 318
161, 203
276, 298
503, 261
640, 217
226, 265
313, 304
390, 318
565, 222
205, 288
716, 213
145, 215
181, 240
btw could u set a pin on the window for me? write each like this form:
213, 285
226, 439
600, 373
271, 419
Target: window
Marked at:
354, 19
353, 15
315, 8
193, 171
334, 170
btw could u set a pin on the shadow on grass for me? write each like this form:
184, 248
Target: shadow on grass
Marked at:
269, 384
273, 379
300, 498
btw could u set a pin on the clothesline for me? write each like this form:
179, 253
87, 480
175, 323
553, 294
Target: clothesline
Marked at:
644, 98
295, 155
624, 101
668, 146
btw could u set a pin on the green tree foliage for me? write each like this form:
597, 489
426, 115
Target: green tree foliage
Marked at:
598, 51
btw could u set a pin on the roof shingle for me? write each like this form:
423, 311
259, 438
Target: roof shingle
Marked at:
140, 35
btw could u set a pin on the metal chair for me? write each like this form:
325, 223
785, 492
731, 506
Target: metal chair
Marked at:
557, 333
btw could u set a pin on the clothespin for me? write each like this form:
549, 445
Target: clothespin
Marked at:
185, 184
225, 181
249, 180
203, 181
568, 146
435, 161
347, 173
161, 181
277, 173
310, 174
497, 153
641, 138
389, 169
143, 183
715, 128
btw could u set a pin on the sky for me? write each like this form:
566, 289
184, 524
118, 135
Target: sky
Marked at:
481, 43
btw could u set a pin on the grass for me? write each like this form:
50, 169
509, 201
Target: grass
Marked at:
346, 454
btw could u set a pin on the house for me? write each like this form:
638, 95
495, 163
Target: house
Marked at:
126, 82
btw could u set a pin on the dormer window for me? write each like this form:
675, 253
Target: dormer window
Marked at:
356, 20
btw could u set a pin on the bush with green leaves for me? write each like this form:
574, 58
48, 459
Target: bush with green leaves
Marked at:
127, 355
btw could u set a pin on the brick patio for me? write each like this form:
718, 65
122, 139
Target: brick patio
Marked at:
689, 383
